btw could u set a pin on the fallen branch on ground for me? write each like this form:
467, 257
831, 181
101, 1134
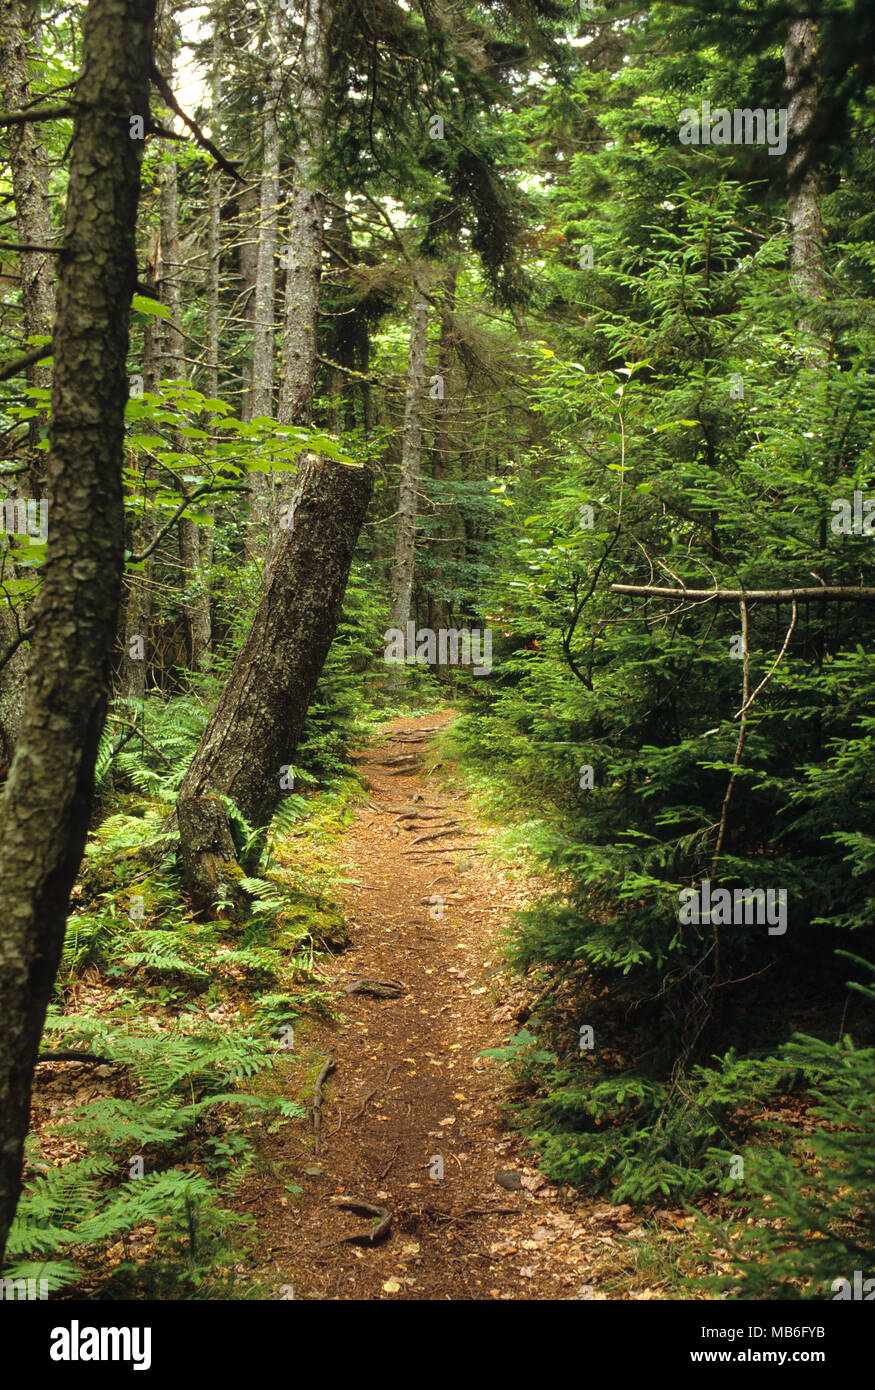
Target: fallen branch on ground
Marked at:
381, 1176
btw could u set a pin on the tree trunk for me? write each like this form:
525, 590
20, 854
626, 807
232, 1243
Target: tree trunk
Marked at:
346, 333
808, 272
263, 320
214, 259
138, 583
255, 727
214, 227
303, 248
438, 604
411, 456
30, 184
47, 799
30, 187
306, 218
243, 314
196, 597
13, 675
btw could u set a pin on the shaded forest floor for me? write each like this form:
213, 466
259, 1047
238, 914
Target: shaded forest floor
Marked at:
411, 1096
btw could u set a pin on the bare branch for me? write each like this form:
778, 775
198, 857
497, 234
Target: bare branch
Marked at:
24, 635
45, 113
27, 359
30, 246
774, 666
827, 593
138, 733
203, 490
163, 86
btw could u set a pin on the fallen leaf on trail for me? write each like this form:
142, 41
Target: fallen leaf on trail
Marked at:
391, 1286
534, 1184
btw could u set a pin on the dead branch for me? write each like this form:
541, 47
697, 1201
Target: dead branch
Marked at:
774, 666
163, 86
31, 246
45, 113
827, 593
381, 1176
27, 359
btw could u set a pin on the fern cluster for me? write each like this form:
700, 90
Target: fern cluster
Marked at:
182, 1104
182, 1108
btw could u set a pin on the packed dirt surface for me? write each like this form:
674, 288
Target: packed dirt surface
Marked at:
409, 1122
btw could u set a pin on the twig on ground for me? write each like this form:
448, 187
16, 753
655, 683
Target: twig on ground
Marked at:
389, 1164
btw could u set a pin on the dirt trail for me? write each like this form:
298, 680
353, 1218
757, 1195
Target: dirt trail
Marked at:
411, 1098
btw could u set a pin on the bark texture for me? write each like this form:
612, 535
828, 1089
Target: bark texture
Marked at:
214, 228
214, 262
30, 182
30, 187
443, 545
808, 272
302, 252
243, 312
138, 584
47, 799
263, 320
347, 328
411, 456
255, 727
306, 222
268, 231
196, 596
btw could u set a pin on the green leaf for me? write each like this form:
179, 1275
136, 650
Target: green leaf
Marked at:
142, 305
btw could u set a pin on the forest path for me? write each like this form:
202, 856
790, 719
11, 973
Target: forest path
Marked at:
411, 1096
